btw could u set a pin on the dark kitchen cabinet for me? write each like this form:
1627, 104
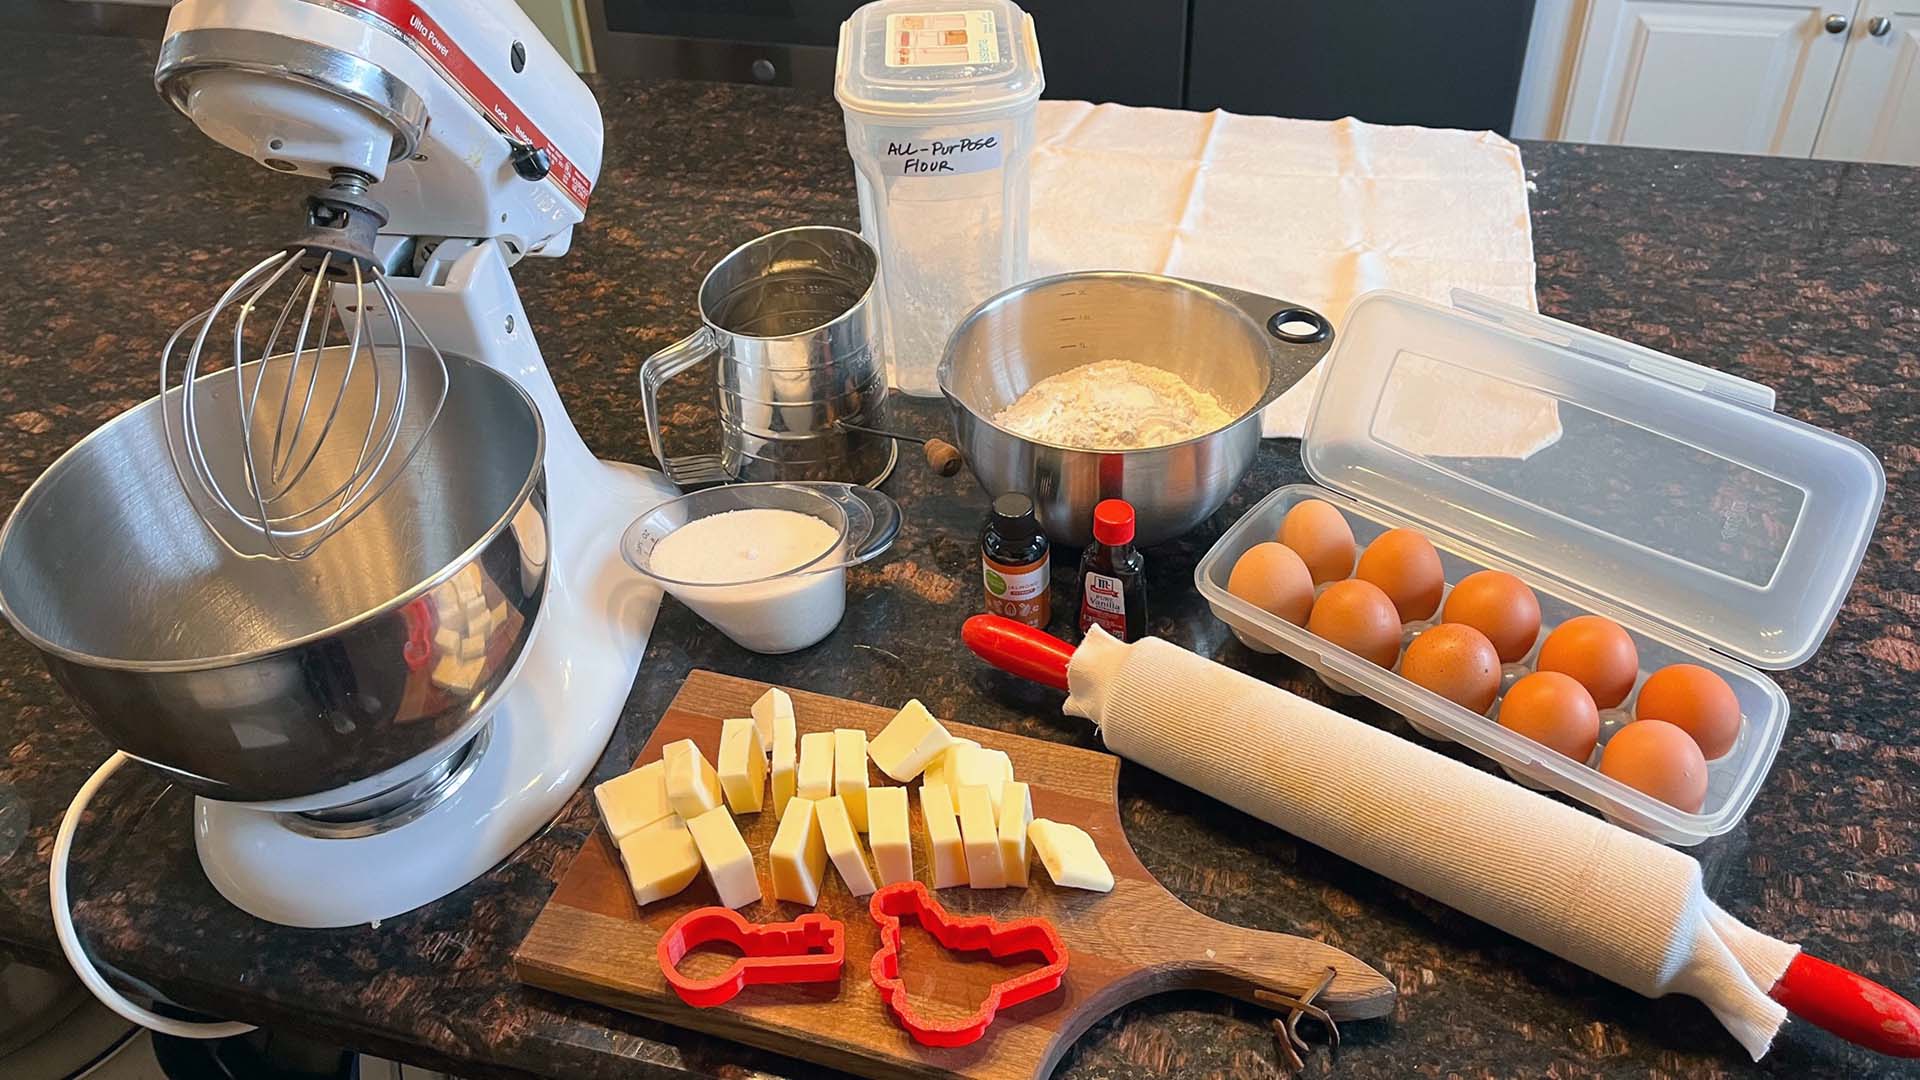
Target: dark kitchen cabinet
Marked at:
1383, 61
1129, 51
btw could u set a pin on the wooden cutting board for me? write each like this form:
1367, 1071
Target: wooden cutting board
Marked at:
592, 941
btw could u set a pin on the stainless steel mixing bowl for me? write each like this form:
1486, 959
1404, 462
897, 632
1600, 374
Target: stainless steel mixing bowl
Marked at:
1243, 348
260, 679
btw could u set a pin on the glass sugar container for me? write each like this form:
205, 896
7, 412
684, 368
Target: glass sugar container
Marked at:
939, 99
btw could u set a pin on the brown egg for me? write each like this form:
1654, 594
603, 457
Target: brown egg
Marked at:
1407, 569
1660, 759
1694, 700
1319, 534
1272, 578
1553, 710
1500, 606
1457, 662
1598, 653
1359, 618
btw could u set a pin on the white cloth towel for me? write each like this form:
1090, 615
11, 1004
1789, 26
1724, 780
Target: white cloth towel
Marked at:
1615, 903
1316, 212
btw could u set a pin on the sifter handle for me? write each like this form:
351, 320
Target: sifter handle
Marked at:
1851, 1006
1018, 649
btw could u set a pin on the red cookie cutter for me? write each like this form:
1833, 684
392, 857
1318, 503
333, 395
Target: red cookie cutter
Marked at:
811, 949
963, 934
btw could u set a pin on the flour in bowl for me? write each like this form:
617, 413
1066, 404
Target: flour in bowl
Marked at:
1113, 405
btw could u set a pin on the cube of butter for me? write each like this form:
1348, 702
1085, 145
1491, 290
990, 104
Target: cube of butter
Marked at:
633, 800
743, 765
943, 836
772, 707
798, 855
940, 769
843, 844
814, 779
1070, 856
887, 832
980, 838
972, 765
660, 859
909, 742
1016, 811
693, 788
786, 762
850, 773
727, 859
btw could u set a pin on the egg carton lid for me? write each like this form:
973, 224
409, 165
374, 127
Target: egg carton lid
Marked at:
1661, 486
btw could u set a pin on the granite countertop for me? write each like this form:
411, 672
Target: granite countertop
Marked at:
120, 220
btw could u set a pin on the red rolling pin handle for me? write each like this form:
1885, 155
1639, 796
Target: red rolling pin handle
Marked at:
1018, 649
1851, 1006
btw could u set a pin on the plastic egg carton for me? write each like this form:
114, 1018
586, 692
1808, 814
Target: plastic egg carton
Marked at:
1733, 779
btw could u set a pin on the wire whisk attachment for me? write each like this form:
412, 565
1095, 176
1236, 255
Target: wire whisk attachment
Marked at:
331, 388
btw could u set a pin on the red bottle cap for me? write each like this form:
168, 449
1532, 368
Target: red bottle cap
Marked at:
1113, 522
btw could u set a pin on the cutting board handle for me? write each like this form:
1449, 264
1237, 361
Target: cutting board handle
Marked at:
1187, 950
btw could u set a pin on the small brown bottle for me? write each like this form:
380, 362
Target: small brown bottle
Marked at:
1014, 562
1113, 581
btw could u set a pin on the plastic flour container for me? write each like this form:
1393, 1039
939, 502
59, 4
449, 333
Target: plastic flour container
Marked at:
939, 99
1613, 480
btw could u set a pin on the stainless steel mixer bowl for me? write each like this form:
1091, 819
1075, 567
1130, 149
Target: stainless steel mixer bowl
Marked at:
1243, 348
257, 680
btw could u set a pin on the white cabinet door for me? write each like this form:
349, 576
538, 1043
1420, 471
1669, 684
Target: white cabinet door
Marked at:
1875, 111
1746, 76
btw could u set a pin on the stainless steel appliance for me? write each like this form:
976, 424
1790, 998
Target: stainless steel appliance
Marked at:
1243, 348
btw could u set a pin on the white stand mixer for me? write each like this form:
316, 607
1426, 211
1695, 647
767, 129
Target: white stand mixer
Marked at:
478, 137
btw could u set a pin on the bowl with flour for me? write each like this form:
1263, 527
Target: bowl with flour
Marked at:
766, 564
1089, 386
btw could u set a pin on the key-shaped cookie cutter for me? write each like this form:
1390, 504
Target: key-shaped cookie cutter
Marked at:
813, 948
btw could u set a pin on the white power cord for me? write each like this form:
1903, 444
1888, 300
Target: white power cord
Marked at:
70, 938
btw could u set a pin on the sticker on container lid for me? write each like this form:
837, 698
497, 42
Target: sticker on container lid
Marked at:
937, 157
941, 39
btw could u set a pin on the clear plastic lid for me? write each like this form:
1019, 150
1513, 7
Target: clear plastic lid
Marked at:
914, 58
1651, 483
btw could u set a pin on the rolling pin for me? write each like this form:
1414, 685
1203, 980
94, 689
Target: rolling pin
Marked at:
1590, 892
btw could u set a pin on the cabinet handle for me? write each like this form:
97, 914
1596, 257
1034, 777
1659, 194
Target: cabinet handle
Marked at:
1837, 24
1879, 25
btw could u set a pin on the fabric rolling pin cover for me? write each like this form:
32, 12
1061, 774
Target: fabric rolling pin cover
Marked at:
1618, 904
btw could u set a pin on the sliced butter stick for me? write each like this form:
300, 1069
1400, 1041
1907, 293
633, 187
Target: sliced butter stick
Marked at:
743, 765
970, 765
843, 845
693, 788
940, 769
944, 848
1016, 810
980, 837
814, 778
1069, 855
909, 743
774, 706
888, 833
786, 763
850, 773
725, 854
633, 801
798, 855
660, 859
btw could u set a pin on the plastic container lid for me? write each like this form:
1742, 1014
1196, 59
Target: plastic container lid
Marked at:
1113, 522
1654, 484
937, 58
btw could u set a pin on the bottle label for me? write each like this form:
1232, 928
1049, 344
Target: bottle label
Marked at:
1018, 592
1103, 603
